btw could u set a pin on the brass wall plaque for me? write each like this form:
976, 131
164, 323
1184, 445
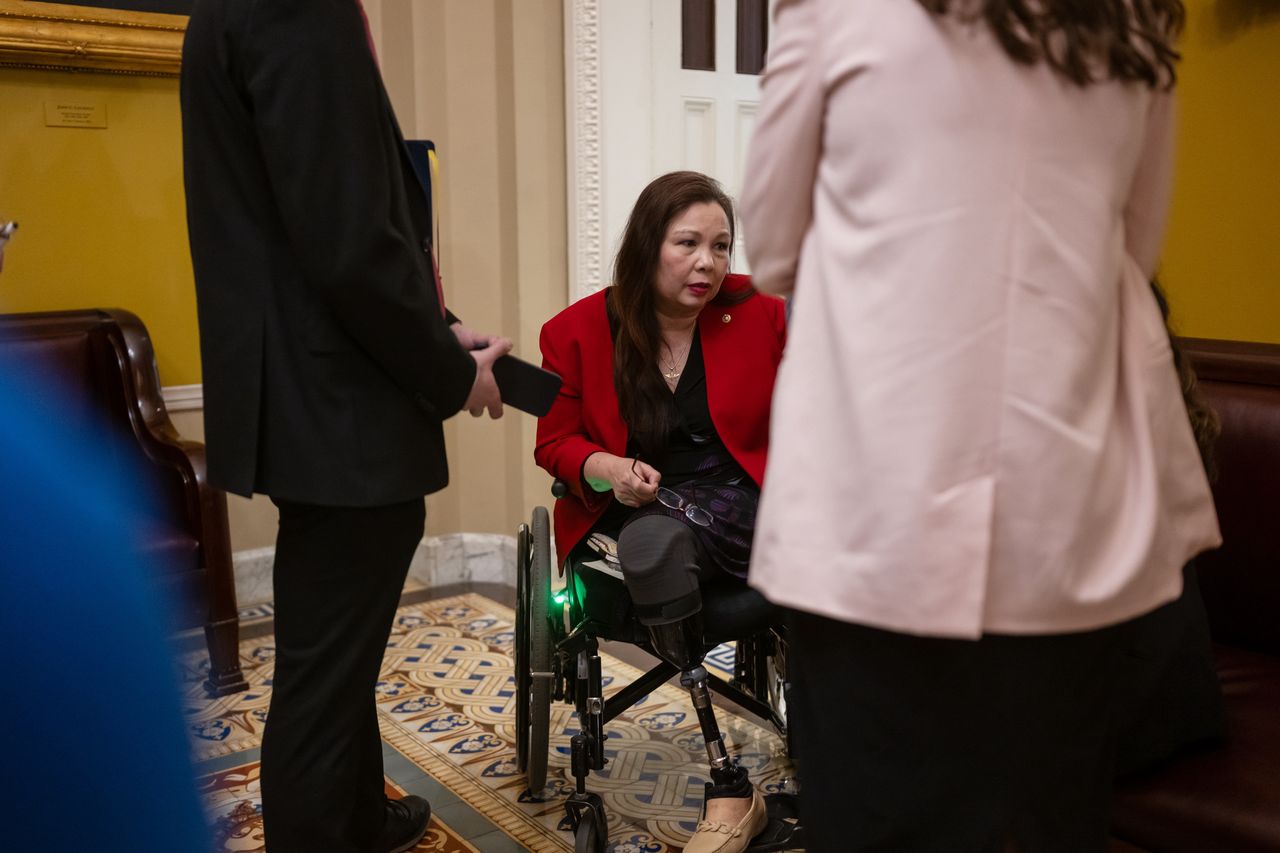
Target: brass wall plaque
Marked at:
75, 112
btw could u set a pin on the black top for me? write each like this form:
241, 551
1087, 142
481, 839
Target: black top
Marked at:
695, 450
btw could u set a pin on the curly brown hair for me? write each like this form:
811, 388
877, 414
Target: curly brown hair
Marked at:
1205, 424
1084, 40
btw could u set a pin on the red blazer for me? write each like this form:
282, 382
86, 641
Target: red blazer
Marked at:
741, 345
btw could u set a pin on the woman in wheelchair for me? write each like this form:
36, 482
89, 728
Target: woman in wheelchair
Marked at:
660, 432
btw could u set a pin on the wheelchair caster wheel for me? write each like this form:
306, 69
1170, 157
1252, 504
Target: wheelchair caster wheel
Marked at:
533, 650
589, 838
592, 833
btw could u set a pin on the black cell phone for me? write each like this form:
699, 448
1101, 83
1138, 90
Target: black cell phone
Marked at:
526, 386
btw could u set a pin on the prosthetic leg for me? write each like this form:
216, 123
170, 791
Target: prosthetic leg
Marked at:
681, 643
664, 604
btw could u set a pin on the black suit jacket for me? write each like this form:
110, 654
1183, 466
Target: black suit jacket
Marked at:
327, 364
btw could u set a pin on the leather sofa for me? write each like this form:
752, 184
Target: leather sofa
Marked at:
101, 366
1228, 798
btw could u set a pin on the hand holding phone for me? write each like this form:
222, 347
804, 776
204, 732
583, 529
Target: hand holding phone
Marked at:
526, 386
485, 393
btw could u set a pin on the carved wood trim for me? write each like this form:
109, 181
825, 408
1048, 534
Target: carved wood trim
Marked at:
82, 38
582, 114
1233, 361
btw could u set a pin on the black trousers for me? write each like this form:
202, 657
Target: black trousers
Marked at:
338, 577
921, 744
663, 567
1172, 699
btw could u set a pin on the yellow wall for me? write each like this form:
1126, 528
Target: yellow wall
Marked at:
102, 221
1222, 257
103, 218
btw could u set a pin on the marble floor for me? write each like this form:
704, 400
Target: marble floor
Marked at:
446, 708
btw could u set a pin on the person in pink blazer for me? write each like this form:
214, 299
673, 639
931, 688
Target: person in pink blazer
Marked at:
980, 470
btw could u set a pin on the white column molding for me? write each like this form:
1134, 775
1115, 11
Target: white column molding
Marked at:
183, 398
438, 561
582, 133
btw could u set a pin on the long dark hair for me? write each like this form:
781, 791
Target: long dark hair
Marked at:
1085, 40
1205, 424
643, 396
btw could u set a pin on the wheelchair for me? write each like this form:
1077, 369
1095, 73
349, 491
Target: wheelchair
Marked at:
558, 659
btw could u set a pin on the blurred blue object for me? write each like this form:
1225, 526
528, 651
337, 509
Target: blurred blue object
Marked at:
95, 755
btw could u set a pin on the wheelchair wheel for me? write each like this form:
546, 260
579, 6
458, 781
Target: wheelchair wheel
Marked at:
590, 837
776, 690
523, 548
533, 649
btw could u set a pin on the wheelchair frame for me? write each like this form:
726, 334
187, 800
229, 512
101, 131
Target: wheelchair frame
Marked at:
558, 659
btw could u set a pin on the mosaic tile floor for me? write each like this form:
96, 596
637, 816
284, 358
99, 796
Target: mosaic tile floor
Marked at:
446, 711
234, 804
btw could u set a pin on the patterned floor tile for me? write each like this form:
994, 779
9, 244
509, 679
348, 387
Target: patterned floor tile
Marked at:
446, 704
234, 804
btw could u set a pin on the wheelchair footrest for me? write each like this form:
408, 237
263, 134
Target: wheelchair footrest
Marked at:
783, 832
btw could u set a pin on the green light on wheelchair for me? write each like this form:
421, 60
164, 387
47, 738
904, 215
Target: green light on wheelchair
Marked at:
560, 597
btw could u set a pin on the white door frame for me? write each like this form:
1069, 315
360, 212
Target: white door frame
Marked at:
583, 146
609, 102
607, 106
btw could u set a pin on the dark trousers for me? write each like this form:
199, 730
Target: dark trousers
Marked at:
338, 577
1172, 699
923, 744
663, 567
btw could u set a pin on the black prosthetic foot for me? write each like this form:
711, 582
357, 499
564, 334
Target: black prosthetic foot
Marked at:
680, 642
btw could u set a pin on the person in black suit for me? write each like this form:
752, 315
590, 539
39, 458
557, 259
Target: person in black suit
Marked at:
329, 364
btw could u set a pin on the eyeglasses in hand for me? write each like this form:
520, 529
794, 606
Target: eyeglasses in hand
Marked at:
693, 512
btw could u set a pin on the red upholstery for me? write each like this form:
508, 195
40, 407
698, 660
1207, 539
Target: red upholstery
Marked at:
1218, 799
1241, 581
100, 367
1229, 798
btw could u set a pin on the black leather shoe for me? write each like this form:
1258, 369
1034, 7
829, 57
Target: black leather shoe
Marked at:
407, 820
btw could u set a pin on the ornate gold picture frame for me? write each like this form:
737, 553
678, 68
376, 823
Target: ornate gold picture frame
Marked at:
86, 38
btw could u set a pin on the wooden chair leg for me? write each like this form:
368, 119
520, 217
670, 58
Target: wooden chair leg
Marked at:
222, 630
225, 675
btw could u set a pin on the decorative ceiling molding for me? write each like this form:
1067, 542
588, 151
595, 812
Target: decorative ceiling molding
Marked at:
582, 75
83, 38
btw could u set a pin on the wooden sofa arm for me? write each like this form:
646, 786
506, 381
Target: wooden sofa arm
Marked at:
206, 505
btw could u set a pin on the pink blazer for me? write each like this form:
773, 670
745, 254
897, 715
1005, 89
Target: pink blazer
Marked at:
977, 426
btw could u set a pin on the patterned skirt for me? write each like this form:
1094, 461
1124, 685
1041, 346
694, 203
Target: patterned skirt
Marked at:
719, 506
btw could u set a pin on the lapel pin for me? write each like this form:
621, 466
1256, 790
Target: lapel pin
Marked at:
724, 318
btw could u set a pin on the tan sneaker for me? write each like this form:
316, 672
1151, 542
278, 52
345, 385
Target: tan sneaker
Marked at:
724, 838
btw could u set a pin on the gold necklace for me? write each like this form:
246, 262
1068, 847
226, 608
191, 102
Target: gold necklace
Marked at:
671, 373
